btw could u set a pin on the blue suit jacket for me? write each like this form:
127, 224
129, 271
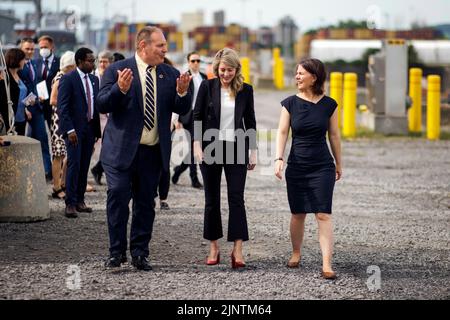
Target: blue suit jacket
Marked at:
73, 107
54, 68
123, 130
24, 75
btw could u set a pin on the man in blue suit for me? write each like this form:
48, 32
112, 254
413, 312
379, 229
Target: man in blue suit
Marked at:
34, 112
79, 123
47, 67
140, 94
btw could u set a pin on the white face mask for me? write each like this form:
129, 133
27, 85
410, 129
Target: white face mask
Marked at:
45, 52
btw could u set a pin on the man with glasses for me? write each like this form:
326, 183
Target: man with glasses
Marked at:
34, 110
187, 121
80, 125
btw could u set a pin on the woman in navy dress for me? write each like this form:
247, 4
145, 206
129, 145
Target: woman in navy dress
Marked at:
311, 171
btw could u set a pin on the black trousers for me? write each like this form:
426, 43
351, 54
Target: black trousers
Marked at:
188, 161
164, 184
139, 182
235, 175
78, 160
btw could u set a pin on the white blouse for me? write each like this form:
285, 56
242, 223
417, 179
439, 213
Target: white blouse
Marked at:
226, 132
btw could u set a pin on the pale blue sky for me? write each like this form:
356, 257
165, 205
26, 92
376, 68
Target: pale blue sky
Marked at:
307, 14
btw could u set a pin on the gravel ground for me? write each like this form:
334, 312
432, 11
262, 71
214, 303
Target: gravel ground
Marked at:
391, 221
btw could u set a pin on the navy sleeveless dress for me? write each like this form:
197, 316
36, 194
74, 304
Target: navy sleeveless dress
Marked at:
310, 172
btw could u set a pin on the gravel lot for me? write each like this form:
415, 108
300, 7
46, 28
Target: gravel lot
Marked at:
391, 216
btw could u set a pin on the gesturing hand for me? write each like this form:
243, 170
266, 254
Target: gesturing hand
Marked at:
183, 83
125, 79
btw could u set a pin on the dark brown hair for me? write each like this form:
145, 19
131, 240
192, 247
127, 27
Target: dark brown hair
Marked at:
13, 57
317, 69
190, 54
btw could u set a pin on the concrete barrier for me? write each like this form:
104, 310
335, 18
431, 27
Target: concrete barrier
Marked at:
23, 189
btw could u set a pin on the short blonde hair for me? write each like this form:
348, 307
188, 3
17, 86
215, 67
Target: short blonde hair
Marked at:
230, 58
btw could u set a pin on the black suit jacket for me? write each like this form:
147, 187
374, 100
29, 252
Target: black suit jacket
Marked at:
52, 71
14, 94
123, 131
72, 104
207, 110
188, 119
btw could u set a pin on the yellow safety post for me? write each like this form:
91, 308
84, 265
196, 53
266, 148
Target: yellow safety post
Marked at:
279, 74
245, 65
415, 92
275, 57
350, 86
336, 93
278, 69
434, 107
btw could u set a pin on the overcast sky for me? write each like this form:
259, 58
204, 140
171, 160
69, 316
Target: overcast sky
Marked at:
396, 14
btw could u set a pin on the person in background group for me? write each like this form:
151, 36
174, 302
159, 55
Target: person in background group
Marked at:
47, 66
118, 56
164, 180
35, 116
187, 122
225, 104
80, 125
105, 58
139, 93
59, 152
311, 172
15, 61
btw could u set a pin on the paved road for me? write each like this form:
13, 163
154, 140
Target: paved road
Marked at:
391, 217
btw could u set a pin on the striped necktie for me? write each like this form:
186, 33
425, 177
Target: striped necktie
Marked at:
149, 109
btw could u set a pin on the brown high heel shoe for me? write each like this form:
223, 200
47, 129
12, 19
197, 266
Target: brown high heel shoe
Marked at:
236, 264
329, 275
293, 264
212, 262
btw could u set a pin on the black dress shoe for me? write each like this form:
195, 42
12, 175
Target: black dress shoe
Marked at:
97, 176
164, 205
71, 212
176, 176
82, 207
141, 263
48, 177
196, 184
115, 261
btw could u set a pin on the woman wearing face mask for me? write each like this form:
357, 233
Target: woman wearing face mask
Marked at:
225, 108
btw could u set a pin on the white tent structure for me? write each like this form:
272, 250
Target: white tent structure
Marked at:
430, 52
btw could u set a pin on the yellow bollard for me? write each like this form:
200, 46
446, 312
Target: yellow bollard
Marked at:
336, 93
245, 65
415, 92
434, 107
349, 123
279, 74
275, 58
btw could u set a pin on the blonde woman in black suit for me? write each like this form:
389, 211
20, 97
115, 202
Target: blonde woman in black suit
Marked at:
224, 115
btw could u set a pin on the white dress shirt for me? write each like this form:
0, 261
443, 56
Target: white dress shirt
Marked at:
228, 103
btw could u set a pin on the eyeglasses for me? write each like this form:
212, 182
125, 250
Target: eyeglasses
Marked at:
195, 60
